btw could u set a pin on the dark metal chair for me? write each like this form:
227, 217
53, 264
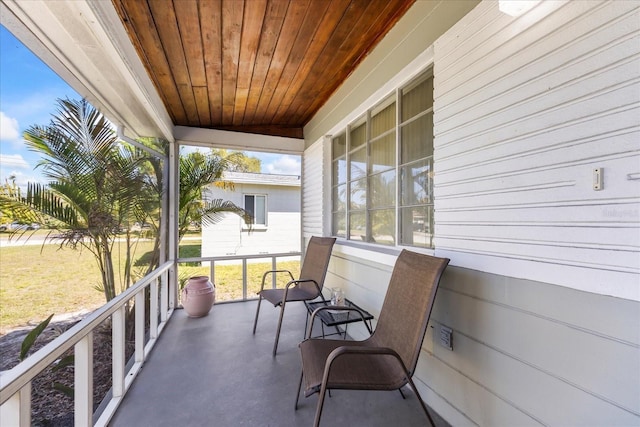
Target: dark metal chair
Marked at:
387, 359
307, 287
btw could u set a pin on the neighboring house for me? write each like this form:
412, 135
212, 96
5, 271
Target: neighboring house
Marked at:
274, 201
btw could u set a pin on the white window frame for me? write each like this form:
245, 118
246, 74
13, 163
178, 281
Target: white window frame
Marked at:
395, 96
266, 209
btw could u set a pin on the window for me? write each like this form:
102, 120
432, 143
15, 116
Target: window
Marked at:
382, 189
256, 205
339, 188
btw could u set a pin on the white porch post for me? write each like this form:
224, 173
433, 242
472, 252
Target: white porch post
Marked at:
173, 205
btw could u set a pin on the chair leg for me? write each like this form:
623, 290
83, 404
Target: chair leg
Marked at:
323, 390
255, 322
424, 406
299, 388
275, 344
401, 393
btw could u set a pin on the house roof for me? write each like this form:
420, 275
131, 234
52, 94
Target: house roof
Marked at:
262, 179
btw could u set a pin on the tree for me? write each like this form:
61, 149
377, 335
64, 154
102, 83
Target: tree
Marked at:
238, 161
95, 184
99, 187
197, 171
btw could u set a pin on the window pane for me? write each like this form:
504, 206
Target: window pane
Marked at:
358, 136
383, 153
383, 226
249, 205
339, 198
383, 189
357, 226
261, 212
416, 183
417, 139
339, 224
383, 121
340, 171
416, 226
339, 146
416, 99
358, 194
358, 163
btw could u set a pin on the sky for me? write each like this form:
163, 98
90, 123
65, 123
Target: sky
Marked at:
28, 94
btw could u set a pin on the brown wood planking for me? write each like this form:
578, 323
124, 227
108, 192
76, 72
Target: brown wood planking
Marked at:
325, 29
137, 15
251, 31
232, 11
303, 43
211, 30
164, 13
260, 66
290, 29
371, 21
274, 18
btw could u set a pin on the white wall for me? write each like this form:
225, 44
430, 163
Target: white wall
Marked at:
542, 290
314, 197
525, 110
282, 233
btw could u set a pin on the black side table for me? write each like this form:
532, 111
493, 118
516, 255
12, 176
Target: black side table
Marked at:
335, 318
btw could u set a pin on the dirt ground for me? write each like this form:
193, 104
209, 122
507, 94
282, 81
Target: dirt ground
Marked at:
51, 407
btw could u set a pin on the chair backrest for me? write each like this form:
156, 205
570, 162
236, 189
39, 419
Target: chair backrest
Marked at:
315, 263
403, 319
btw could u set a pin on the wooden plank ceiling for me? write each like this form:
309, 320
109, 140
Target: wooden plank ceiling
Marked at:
257, 66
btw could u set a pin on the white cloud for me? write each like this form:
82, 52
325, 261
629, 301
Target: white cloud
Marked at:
284, 165
21, 179
9, 129
13, 161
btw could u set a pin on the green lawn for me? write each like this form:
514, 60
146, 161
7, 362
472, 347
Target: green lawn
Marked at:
228, 278
36, 280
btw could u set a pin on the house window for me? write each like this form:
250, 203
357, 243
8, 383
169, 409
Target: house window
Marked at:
382, 189
339, 188
256, 205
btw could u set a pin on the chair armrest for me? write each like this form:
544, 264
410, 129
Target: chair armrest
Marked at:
333, 308
264, 276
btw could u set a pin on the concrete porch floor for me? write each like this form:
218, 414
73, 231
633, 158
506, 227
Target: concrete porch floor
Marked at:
213, 371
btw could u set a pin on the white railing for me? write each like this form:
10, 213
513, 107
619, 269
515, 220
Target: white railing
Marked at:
243, 259
15, 384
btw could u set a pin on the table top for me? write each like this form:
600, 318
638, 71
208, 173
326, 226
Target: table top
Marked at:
332, 318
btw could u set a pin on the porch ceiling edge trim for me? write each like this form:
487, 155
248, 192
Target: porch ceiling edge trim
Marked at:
79, 41
237, 140
112, 33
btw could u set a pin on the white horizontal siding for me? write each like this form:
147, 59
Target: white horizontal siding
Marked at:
282, 233
312, 190
524, 352
525, 109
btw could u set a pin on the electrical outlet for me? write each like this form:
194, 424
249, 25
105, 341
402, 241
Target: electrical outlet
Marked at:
446, 337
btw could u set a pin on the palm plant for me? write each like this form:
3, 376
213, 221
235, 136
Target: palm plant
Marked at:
95, 182
98, 187
197, 171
